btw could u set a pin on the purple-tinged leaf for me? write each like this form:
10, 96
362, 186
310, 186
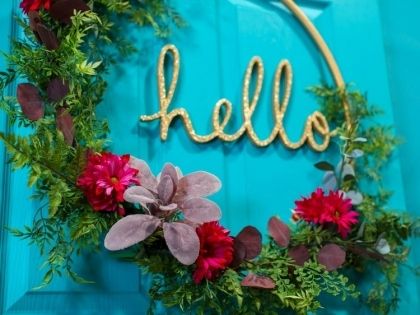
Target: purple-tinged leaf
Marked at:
170, 170
182, 241
145, 175
166, 189
330, 181
63, 10
30, 101
260, 282
170, 207
355, 196
251, 238
200, 210
65, 124
279, 231
331, 256
300, 254
239, 253
198, 184
139, 194
324, 166
57, 89
48, 38
130, 230
34, 19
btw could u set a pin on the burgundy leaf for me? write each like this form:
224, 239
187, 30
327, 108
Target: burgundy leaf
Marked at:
145, 175
63, 10
254, 281
34, 19
279, 231
364, 252
198, 184
300, 254
182, 241
239, 253
139, 194
47, 37
30, 101
251, 238
166, 189
57, 89
170, 170
130, 230
200, 210
331, 256
65, 124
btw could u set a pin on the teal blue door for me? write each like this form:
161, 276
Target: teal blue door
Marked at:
216, 46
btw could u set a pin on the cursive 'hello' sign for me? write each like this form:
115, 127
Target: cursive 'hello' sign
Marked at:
316, 123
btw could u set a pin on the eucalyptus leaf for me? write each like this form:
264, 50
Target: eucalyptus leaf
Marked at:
331, 256
255, 281
324, 166
355, 196
329, 181
279, 231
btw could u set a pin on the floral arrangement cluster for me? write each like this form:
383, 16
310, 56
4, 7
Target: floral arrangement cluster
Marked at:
165, 223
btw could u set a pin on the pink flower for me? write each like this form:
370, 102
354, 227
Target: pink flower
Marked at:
332, 209
216, 251
35, 5
105, 179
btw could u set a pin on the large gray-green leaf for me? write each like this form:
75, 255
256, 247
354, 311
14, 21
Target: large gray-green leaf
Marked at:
198, 184
130, 230
200, 210
182, 241
139, 194
145, 175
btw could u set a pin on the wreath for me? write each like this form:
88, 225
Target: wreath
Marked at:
164, 223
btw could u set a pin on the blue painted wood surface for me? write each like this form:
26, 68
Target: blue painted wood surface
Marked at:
215, 49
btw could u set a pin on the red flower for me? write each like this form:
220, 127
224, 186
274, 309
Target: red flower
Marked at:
216, 251
35, 5
105, 179
332, 209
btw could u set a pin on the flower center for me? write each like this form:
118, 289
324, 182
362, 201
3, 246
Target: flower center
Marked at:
114, 180
337, 214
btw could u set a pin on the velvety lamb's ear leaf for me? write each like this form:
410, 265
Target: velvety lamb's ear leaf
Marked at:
65, 124
200, 210
198, 184
139, 194
331, 256
279, 231
57, 89
130, 230
170, 207
254, 281
251, 238
30, 101
62, 10
166, 189
355, 196
330, 181
300, 254
47, 37
170, 170
145, 175
182, 241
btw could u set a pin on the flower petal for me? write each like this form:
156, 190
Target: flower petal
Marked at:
130, 230
182, 241
200, 210
198, 184
139, 194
